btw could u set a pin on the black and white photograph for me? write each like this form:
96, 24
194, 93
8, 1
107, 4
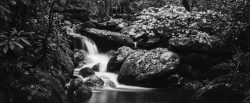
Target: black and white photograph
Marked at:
124, 51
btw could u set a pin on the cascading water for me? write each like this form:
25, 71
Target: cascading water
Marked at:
94, 57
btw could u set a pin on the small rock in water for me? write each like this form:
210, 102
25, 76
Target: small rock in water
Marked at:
96, 67
94, 81
85, 72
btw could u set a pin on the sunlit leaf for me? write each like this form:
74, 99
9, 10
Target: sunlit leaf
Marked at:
20, 32
13, 32
29, 33
12, 46
25, 41
4, 9
3, 36
18, 44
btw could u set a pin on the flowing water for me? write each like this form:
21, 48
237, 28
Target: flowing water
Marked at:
140, 96
122, 93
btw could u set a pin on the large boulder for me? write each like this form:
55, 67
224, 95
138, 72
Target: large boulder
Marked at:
149, 68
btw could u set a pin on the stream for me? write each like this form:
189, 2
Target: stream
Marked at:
140, 96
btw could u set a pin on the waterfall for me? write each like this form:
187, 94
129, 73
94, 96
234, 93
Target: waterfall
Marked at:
94, 57
90, 45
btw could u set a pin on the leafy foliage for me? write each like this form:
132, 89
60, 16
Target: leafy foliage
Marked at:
14, 41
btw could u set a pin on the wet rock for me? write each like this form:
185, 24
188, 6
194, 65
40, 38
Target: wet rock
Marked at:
108, 82
85, 72
108, 40
113, 65
94, 82
114, 36
79, 56
116, 60
219, 93
77, 91
96, 67
149, 68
